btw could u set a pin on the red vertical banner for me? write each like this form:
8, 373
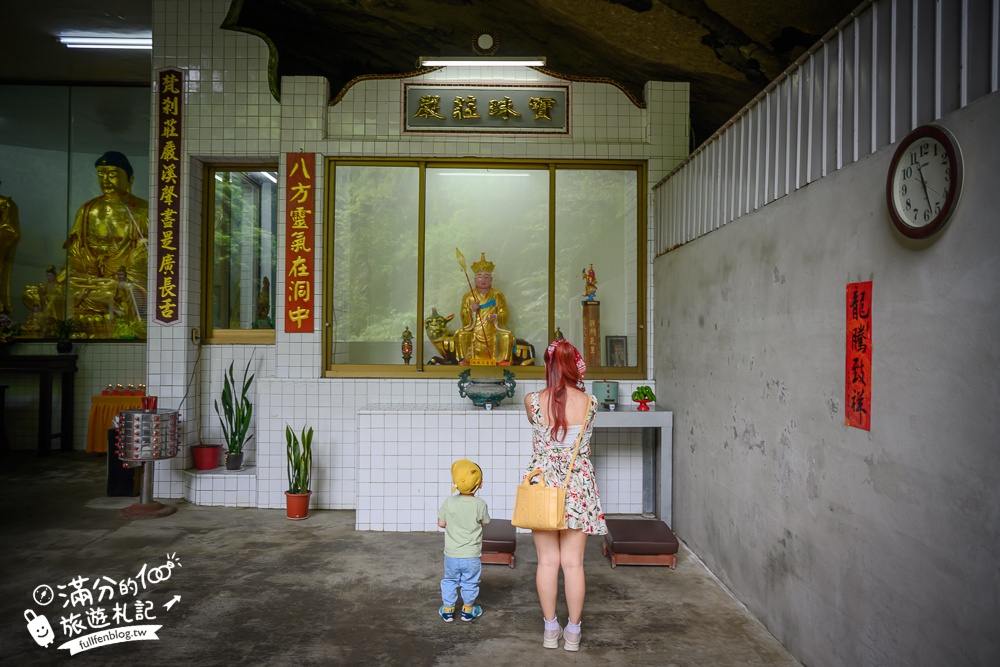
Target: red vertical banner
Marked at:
300, 197
858, 371
169, 114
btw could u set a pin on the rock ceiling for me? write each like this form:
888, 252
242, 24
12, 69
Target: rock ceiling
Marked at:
728, 50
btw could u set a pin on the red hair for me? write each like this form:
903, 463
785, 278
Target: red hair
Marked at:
560, 371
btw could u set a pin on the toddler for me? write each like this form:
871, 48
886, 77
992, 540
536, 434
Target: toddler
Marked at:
462, 518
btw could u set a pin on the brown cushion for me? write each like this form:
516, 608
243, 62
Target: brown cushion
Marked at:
638, 536
499, 535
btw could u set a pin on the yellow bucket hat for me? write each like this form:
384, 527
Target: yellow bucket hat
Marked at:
466, 475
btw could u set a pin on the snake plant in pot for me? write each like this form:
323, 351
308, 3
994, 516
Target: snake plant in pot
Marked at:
235, 416
299, 452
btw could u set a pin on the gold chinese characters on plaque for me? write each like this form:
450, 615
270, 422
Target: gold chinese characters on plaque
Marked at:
300, 197
169, 108
494, 109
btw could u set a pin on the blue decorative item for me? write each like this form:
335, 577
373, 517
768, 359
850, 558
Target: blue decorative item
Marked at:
486, 392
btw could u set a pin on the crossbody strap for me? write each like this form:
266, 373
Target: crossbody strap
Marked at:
576, 448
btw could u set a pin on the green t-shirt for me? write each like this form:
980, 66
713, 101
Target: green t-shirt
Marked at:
464, 517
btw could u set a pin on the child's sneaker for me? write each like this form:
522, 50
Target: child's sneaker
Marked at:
447, 614
471, 612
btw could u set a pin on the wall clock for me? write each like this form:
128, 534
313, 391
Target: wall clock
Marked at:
924, 181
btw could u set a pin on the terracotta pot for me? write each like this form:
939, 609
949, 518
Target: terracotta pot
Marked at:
297, 505
206, 457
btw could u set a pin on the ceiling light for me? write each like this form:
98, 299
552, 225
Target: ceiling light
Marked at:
445, 61
269, 177
106, 42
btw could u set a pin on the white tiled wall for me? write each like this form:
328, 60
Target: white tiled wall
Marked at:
405, 453
230, 115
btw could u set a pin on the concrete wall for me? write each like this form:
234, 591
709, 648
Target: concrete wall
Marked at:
853, 547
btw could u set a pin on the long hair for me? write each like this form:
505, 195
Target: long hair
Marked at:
560, 372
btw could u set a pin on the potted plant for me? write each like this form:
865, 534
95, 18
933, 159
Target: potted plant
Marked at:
64, 331
299, 472
235, 416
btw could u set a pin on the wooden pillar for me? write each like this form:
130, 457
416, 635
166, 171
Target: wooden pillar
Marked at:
591, 333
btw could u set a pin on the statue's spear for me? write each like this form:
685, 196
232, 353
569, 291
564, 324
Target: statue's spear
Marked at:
461, 262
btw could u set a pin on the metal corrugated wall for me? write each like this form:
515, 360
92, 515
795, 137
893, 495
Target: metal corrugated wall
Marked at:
891, 66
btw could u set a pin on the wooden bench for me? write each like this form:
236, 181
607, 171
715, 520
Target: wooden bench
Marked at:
640, 542
499, 542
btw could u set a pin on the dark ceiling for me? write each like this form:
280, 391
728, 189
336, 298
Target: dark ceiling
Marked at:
728, 50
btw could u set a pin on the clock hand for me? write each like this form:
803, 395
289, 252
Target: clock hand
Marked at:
923, 184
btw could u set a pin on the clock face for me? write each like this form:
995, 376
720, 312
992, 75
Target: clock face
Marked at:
924, 182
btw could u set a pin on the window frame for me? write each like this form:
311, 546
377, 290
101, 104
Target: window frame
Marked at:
209, 334
418, 367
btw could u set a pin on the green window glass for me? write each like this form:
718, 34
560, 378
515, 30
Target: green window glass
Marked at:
241, 254
398, 235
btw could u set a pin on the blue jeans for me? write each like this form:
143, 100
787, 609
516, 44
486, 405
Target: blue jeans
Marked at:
464, 573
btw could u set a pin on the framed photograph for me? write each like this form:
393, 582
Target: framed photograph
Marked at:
616, 351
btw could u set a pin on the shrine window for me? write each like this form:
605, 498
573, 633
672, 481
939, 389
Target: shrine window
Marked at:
240, 253
406, 239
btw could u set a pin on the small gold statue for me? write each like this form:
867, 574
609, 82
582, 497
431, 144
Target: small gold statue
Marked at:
441, 337
46, 303
590, 291
264, 319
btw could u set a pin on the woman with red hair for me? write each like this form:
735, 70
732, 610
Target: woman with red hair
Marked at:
557, 415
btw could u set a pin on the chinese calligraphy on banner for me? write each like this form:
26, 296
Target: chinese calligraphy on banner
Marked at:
858, 380
169, 107
300, 196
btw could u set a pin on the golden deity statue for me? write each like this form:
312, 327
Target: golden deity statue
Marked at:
484, 337
107, 255
46, 304
10, 234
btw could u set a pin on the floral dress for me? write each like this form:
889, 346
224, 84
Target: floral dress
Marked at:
583, 500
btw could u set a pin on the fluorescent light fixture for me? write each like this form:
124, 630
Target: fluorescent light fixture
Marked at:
269, 176
445, 61
106, 42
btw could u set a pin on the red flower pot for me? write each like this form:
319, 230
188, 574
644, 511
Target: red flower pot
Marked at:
206, 457
297, 505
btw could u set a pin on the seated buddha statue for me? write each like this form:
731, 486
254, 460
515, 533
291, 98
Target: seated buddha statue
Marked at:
106, 249
484, 338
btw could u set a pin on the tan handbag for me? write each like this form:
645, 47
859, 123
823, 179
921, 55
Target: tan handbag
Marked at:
541, 507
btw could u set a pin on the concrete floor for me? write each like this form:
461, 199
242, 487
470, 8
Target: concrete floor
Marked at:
258, 589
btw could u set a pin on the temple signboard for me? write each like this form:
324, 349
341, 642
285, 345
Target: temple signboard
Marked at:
300, 198
458, 108
169, 115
